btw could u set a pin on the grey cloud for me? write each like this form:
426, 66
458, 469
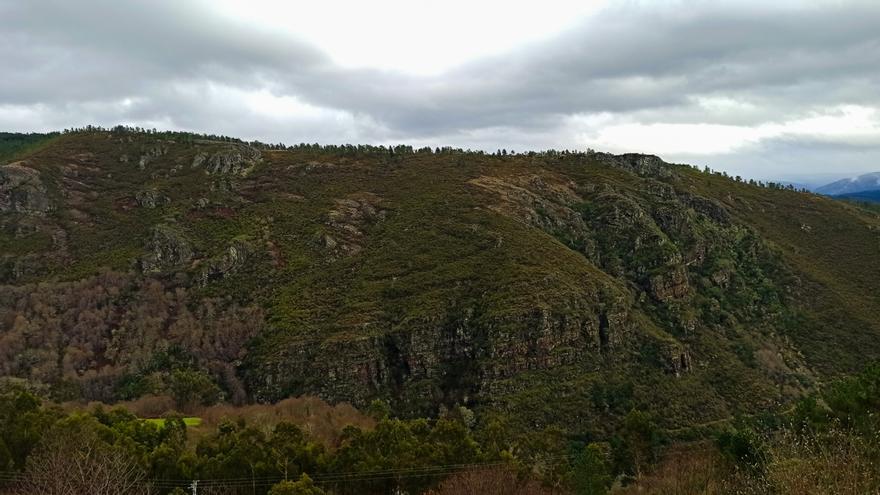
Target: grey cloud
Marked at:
100, 49
640, 63
813, 163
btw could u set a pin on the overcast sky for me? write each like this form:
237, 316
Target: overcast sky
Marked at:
779, 89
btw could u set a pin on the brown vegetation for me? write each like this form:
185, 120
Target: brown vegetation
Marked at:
96, 332
836, 462
321, 421
499, 480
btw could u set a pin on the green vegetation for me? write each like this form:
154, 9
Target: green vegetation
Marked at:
546, 290
14, 144
40, 441
827, 443
188, 421
538, 321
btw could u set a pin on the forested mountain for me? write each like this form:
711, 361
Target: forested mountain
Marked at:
555, 288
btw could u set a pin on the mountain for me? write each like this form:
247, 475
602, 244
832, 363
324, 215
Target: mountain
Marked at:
866, 182
551, 288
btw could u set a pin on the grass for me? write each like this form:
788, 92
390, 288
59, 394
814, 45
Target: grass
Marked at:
189, 421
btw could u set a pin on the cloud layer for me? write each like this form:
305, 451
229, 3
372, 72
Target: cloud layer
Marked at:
784, 91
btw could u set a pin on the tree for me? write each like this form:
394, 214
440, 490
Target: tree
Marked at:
236, 451
636, 443
304, 486
190, 388
22, 423
743, 447
379, 409
75, 458
591, 473
292, 453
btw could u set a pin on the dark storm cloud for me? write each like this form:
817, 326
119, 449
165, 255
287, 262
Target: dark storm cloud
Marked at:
73, 60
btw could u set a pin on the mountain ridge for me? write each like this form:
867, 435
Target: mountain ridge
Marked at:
426, 277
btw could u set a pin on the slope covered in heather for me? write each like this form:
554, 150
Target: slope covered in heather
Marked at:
553, 288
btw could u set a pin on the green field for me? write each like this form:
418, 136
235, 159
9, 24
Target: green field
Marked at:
188, 421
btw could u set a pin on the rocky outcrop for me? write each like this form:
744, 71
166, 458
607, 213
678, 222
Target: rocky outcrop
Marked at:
548, 203
613, 231
451, 358
22, 191
347, 222
233, 159
230, 261
707, 207
168, 248
544, 202
678, 359
150, 154
639, 164
151, 198
670, 285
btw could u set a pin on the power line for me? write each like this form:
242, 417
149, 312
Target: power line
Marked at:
325, 479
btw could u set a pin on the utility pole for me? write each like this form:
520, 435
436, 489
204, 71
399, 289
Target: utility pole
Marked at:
194, 486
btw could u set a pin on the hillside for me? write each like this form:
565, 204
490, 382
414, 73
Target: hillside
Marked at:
553, 288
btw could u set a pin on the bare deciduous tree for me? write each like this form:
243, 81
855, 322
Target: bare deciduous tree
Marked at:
78, 462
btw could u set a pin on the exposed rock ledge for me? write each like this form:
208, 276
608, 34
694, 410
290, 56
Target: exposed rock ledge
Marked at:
22, 191
232, 159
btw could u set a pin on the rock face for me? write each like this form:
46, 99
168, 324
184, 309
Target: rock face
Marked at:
235, 160
347, 222
151, 198
22, 191
168, 248
670, 285
611, 229
149, 155
229, 262
452, 358
644, 165
707, 207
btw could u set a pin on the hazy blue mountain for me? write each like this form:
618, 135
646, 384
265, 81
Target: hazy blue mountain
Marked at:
866, 182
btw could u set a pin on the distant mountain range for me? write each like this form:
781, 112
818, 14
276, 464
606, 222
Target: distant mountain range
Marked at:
866, 182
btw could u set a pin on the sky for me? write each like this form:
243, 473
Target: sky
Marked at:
772, 90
